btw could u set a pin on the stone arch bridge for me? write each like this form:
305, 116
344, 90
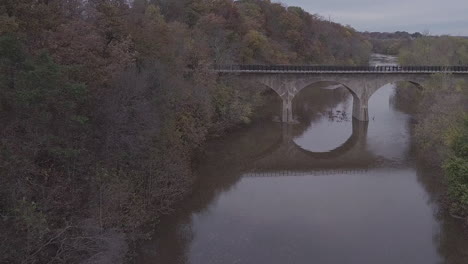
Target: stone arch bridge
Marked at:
361, 81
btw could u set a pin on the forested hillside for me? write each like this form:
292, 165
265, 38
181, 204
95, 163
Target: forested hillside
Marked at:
104, 102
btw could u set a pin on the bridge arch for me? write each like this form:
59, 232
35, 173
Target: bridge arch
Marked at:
415, 83
410, 84
331, 93
269, 84
324, 84
281, 88
269, 87
361, 109
360, 99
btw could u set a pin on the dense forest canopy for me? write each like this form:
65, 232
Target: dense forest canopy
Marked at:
258, 31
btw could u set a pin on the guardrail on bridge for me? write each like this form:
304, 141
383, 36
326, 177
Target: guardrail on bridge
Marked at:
350, 69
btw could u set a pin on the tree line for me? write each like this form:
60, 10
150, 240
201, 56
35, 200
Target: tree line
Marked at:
390, 43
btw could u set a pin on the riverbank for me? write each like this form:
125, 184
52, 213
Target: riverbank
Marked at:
441, 112
453, 167
441, 135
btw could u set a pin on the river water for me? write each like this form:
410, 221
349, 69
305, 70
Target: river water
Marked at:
328, 190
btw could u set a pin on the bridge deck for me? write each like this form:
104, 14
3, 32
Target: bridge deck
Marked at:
290, 173
316, 69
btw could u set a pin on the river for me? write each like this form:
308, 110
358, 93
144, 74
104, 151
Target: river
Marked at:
328, 190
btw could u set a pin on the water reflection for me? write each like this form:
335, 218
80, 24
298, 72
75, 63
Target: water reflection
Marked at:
383, 60
270, 194
327, 128
286, 156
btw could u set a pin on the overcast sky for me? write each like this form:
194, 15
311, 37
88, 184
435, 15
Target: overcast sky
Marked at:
436, 16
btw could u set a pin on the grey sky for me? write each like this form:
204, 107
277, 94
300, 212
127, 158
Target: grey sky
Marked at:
436, 16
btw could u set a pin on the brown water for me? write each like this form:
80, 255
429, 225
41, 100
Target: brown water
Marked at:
329, 190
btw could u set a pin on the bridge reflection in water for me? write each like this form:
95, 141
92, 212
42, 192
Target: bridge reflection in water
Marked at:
286, 158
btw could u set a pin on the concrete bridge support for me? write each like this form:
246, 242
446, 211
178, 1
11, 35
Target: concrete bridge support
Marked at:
360, 108
287, 116
362, 89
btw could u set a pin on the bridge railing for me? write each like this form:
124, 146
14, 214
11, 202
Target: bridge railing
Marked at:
330, 68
